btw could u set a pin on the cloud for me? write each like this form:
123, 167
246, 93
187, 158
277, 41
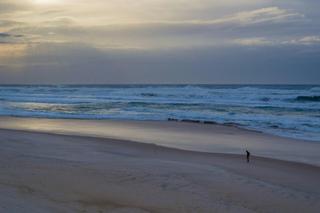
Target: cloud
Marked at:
61, 21
9, 24
126, 39
258, 16
79, 63
164, 33
153, 24
253, 41
7, 6
307, 40
11, 7
268, 14
262, 41
4, 35
7, 38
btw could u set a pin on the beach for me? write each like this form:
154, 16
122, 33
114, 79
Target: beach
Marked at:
159, 106
57, 165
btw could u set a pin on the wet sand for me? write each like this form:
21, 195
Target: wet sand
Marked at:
186, 136
50, 172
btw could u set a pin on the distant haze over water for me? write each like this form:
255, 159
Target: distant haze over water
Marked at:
286, 110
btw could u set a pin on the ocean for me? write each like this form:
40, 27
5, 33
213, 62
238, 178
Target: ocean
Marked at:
286, 110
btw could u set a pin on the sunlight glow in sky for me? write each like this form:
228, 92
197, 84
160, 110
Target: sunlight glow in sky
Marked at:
47, 1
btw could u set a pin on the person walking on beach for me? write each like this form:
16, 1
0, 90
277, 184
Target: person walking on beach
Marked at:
248, 156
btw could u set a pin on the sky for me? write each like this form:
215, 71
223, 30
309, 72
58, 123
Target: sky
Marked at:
159, 41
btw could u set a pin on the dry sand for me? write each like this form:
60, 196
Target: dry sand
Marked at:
45, 172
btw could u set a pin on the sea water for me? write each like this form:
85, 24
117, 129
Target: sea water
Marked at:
285, 110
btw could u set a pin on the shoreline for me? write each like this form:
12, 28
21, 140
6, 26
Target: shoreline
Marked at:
170, 119
47, 172
160, 147
213, 138
173, 120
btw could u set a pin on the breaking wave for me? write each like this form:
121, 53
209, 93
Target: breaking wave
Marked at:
286, 110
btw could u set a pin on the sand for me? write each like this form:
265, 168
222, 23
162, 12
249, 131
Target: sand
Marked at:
42, 171
186, 136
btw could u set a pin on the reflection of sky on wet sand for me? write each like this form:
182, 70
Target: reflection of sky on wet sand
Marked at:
198, 137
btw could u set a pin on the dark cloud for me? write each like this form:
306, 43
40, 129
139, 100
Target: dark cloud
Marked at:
4, 35
18, 36
7, 38
76, 63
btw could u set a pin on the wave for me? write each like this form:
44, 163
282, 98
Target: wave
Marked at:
308, 98
282, 110
149, 94
315, 89
265, 99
